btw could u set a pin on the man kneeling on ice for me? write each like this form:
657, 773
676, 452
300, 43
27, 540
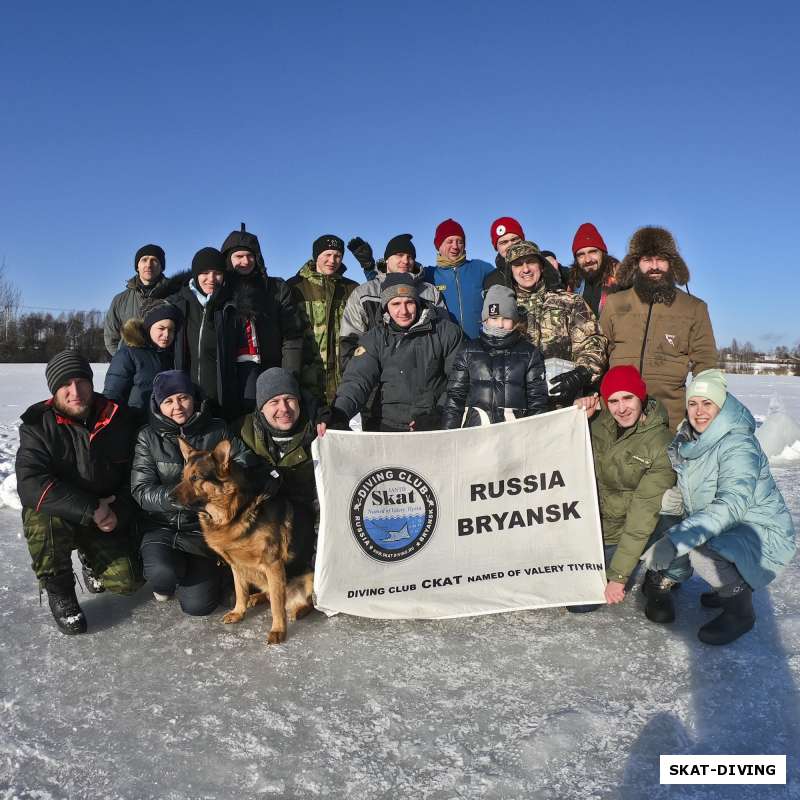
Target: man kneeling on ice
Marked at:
73, 473
630, 436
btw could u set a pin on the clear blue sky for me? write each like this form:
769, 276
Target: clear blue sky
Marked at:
125, 123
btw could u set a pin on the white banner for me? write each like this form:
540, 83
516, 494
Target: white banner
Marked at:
456, 523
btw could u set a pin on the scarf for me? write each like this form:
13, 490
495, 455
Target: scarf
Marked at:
441, 261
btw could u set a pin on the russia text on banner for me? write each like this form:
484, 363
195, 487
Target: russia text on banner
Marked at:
455, 523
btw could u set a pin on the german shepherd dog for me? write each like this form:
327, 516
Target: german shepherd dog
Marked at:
250, 530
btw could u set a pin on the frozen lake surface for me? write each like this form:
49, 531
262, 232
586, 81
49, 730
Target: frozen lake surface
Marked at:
541, 704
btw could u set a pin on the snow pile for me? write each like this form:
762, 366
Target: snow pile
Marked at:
779, 435
9, 441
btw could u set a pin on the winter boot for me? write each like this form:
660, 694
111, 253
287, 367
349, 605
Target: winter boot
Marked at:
64, 604
710, 600
93, 584
584, 609
736, 619
657, 590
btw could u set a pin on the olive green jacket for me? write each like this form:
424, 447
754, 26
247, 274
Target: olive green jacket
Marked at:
633, 472
321, 300
295, 465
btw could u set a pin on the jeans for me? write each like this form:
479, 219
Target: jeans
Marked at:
173, 569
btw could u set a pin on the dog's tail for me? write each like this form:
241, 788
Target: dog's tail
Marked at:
299, 596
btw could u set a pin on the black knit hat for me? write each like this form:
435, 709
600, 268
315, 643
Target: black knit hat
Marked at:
327, 242
161, 309
207, 259
400, 244
150, 250
64, 366
398, 284
172, 381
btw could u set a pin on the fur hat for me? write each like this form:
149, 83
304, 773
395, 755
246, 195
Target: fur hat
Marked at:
652, 241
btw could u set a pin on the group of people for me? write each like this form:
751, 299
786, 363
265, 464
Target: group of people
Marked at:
226, 351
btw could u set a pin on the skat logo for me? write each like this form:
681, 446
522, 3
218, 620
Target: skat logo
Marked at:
393, 513
670, 337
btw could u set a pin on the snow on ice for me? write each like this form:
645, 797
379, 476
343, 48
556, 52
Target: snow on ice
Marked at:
540, 704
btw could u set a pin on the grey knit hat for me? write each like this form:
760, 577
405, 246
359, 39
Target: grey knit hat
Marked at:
398, 284
273, 382
64, 366
500, 302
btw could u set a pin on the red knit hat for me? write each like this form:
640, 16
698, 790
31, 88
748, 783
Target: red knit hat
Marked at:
623, 378
502, 226
447, 228
588, 236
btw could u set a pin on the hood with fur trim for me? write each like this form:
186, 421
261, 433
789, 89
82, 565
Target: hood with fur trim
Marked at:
134, 334
651, 241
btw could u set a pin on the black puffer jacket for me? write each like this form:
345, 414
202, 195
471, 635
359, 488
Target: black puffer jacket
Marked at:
494, 375
409, 368
158, 465
64, 467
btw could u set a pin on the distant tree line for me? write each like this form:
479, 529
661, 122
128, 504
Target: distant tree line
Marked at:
745, 359
35, 337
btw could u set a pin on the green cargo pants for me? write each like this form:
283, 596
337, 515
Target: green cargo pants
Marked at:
113, 557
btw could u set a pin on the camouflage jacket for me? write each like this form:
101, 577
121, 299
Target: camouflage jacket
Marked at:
320, 301
561, 325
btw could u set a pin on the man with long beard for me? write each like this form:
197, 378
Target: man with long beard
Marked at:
593, 273
663, 331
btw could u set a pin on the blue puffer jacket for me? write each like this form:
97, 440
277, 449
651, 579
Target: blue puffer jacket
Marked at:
730, 498
462, 288
129, 379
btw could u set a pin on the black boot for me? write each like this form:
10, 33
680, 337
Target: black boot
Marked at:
710, 600
657, 589
93, 584
584, 609
736, 619
64, 604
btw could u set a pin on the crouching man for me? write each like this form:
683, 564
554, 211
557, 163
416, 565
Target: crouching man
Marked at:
630, 436
281, 432
73, 469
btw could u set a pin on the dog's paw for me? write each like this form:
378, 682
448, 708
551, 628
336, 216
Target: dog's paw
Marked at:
233, 616
257, 599
276, 637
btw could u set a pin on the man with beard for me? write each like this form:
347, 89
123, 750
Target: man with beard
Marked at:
271, 333
593, 272
663, 331
73, 480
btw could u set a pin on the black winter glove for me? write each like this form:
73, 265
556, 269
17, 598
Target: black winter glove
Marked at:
430, 421
567, 385
363, 253
333, 418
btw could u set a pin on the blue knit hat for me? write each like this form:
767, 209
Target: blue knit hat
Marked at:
173, 381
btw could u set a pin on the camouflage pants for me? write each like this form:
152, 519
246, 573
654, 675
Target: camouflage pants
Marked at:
113, 557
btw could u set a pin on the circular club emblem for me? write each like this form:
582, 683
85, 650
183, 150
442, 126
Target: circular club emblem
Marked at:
500, 230
393, 513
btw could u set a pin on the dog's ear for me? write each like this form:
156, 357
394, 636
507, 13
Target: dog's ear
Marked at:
186, 449
222, 455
